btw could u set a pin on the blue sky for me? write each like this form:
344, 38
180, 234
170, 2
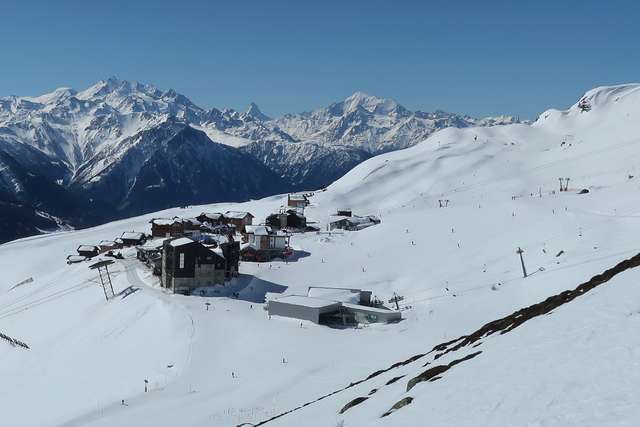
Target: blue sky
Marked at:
475, 57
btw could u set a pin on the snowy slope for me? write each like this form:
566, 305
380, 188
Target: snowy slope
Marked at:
455, 266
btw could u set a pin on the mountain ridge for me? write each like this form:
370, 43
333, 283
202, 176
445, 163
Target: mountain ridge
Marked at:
79, 138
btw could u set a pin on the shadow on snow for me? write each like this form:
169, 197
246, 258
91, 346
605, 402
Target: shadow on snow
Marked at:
244, 287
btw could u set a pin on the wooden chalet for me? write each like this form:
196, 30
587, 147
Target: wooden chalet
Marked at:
221, 229
108, 245
175, 227
191, 227
88, 251
287, 219
162, 227
238, 219
133, 238
211, 218
297, 200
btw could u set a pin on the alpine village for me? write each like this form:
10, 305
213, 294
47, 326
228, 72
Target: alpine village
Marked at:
202, 257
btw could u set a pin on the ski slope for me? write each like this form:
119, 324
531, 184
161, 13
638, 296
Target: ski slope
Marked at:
457, 268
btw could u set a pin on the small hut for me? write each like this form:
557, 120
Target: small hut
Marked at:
88, 251
133, 238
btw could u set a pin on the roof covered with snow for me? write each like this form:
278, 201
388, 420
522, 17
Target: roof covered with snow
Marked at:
219, 239
87, 248
306, 301
181, 242
237, 214
258, 230
335, 294
163, 221
154, 244
132, 235
192, 221
298, 197
212, 215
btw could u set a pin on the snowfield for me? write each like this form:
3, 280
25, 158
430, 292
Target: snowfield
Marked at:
456, 267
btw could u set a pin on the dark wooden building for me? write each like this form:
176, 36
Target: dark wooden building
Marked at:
191, 226
133, 238
211, 218
299, 201
108, 245
174, 227
231, 253
222, 229
238, 219
151, 254
290, 219
230, 250
188, 265
88, 251
162, 227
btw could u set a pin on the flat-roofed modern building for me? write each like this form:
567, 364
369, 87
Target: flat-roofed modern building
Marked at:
302, 307
331, 312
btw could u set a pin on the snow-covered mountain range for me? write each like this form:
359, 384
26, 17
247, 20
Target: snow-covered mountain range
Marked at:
120, 148
479, 344
373, 124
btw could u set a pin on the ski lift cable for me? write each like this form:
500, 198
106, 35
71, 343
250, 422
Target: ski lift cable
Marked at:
45, 299
37, 291
26, 307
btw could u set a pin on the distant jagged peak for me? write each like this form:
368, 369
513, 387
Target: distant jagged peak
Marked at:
255, 112
54, 97
359, 98
115, 86
178, 98
372, 104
